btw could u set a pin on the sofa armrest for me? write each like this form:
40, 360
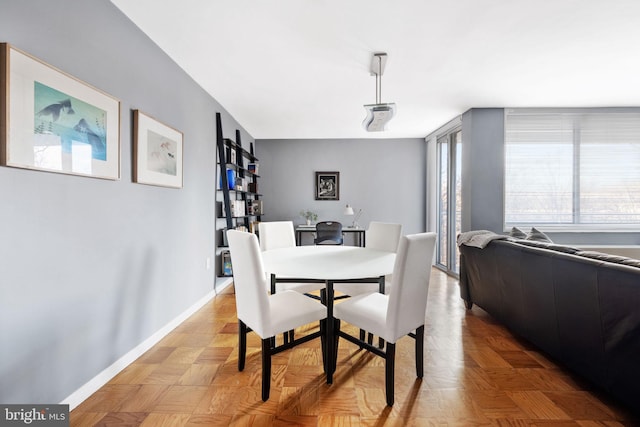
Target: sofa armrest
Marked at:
464, 284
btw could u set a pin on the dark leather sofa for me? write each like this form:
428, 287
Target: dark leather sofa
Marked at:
581, 308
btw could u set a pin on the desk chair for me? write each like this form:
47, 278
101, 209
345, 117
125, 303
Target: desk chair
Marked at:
266, 315
395, 315
329, 233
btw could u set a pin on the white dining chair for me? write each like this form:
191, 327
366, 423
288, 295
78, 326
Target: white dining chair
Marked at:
382, 236
393, 316
276, 235
280, 234
266, 315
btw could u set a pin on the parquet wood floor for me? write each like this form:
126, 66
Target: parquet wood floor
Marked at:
476, 374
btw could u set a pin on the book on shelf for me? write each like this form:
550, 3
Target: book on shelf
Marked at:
237, 208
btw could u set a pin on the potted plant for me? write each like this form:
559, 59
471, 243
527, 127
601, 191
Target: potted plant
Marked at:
309, 216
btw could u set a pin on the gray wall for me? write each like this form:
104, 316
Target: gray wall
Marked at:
483, 182
482, 169
383, 177
90, 268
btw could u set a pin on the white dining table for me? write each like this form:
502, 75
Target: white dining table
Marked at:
329, 264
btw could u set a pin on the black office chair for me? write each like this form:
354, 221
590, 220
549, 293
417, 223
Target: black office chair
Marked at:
328, 233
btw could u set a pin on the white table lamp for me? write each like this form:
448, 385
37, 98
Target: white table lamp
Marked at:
348, 211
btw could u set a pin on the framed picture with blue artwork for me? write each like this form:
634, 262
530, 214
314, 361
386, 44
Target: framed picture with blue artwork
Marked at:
157, 152
52, 121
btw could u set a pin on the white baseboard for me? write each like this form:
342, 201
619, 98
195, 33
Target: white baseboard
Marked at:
223, 283
78, 396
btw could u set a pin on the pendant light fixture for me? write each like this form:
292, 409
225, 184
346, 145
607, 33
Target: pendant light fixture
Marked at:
378, 114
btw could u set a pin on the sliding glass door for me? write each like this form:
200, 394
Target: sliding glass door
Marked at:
449, 152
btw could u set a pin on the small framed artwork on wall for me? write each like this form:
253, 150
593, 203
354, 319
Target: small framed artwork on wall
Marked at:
327, 185
157, 152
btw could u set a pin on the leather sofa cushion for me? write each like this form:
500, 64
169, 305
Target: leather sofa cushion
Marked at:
616, 259
550, 246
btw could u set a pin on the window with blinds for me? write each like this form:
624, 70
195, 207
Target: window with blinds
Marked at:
575, 169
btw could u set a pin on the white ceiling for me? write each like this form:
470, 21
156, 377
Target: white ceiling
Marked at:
300, 68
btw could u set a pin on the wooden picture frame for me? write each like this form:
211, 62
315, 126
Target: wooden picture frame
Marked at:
51, 121
327, 185
157, 152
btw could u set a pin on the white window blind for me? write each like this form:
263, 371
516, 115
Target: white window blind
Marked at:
573, 169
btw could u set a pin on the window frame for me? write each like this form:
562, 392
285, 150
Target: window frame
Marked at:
574, 225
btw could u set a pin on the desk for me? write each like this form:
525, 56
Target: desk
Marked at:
330, 264
359, 233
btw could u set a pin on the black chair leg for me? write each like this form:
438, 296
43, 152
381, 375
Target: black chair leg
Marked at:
370, 339
242, 346
420, 351
389, 369
323, 343
362, 335
266, 368
335, 338
288, 336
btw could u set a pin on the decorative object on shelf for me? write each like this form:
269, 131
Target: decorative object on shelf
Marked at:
53, 122
240, 184
309, 216
327, 185
157, 152
378, 114
254, 168
254, 207
348, 211
231, 179
227, 269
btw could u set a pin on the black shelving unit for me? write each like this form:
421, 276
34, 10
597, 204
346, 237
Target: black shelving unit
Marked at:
240, 206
